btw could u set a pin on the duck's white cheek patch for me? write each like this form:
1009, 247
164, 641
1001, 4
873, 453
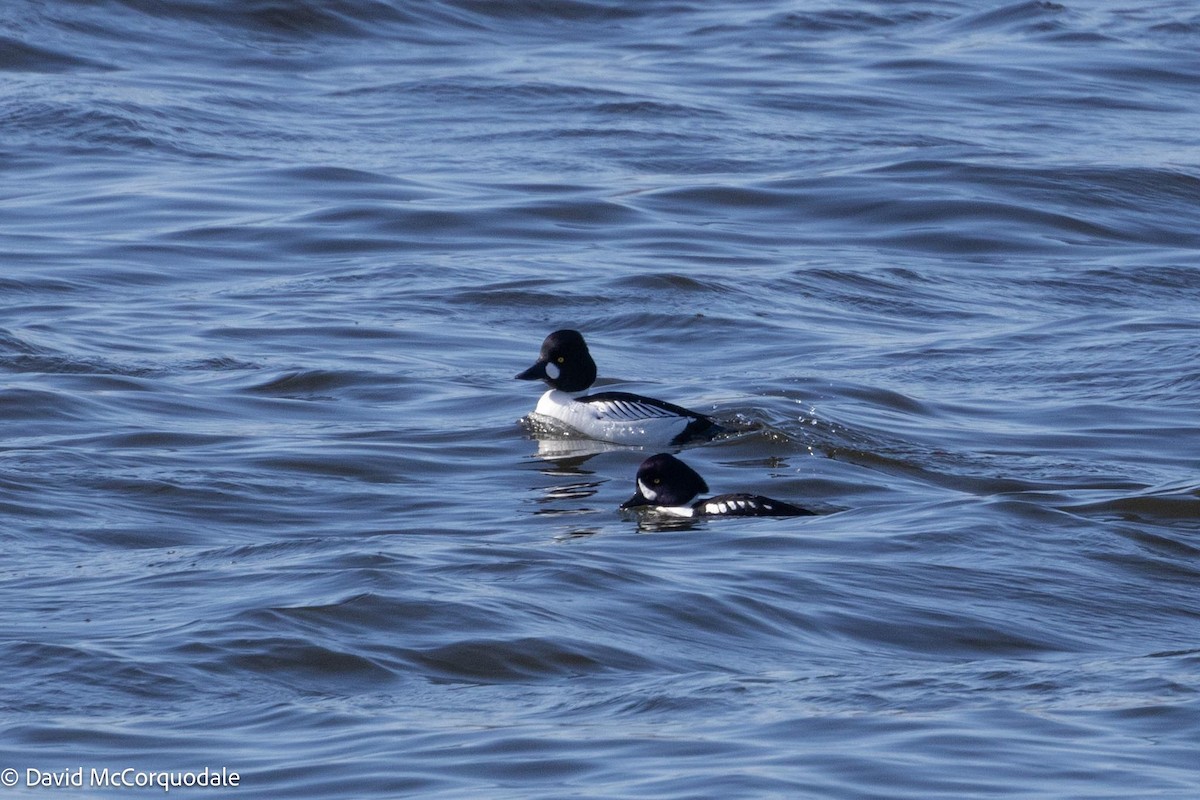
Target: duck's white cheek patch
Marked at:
552, 370
647, 492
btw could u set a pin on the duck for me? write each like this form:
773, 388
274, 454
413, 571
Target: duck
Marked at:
566, 366
668, 486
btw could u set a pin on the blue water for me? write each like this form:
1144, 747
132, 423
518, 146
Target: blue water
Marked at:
267, 269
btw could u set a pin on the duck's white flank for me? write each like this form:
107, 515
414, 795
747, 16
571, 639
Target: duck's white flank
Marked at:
618, 421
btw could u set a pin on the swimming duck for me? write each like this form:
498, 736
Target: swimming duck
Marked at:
566, 365
669, 486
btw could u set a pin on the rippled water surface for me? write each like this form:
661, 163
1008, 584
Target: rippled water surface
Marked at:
269, 268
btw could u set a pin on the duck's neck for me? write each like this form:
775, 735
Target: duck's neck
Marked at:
556, 399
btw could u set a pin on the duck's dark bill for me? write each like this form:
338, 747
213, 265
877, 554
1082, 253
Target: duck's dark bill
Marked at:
637, 501
535, 373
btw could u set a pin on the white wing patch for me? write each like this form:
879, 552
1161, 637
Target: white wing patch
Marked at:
736, 505
630, 410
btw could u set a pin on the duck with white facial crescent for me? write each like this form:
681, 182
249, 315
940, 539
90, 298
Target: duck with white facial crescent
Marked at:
668, 486
566, 366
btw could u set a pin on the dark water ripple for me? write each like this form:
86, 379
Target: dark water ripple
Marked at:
269, 268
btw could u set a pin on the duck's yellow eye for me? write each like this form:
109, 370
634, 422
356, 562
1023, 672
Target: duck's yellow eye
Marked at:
560, 359
657, 481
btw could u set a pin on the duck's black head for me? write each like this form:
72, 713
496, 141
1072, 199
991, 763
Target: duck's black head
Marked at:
664, 480
564, 363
